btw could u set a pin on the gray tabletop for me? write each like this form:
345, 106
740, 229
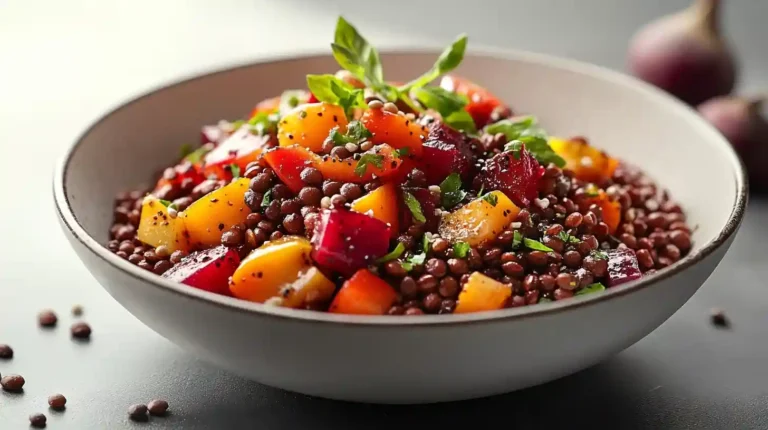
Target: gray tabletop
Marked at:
65, 62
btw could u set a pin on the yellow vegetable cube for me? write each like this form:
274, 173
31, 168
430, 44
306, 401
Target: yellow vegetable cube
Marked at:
157, 228
207, 218
479, 220
482, 293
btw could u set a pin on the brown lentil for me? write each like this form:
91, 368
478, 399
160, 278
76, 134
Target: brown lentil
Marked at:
47, 318
37, 420
157, 407
138, 412
12, 383
81, 330
57, 401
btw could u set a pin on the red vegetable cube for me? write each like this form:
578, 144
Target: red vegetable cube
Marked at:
241, 148
207, 270
622, 267
517, 178
345, 241
444, 152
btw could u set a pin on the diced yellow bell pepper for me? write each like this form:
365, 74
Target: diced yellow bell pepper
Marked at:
382, 202
310, 287
207, 218
479, 220
268, 269
157, 228
482, 293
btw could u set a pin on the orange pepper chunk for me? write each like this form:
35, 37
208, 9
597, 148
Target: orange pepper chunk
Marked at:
364, 294
482, 293
611, 209
157, 228
239, 149
309, 125
395, 130
479, 220
586, 161
208, 217
481, 102
382, 204
289, 161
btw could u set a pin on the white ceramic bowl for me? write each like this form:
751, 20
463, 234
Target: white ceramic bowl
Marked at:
409, 359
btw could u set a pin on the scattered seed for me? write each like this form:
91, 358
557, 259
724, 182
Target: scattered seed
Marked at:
6, 352
81, 330
718, 318
37, 420
77, 310
47, 318
12, 383
157, 407
57, 401
138, 412
375, 104
390, 107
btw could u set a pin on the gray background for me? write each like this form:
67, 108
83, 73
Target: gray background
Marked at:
64, 63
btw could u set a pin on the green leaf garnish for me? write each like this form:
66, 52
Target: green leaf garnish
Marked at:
267, 198
365, 160
536, 245
567, 238
330, 89
460, 249
449, 105
451, 193
353, 52
402, 152
599, 255
490, 198
392, 255
591, 288
461, 120
448, 60
425, 240
517, 239
526, 131
540, 149
515, 147
185, 150
406, 266
264, 123
414, 206
356, 133
197, 155
417, 259
165, 203
235, 169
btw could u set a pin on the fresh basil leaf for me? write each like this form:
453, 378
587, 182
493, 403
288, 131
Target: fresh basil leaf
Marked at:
267, 198
414, 206
599, 255
491, 198
460, 249
448, 60
591, 288
365, 160
512, 128
353, 52
440, 100
392, 255
461, 120
320, 86
235, 169
451, 193
425, 240
536, 245
417, 259
517, 239
197, 155
567, 238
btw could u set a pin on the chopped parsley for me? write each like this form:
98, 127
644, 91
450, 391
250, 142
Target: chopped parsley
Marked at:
451, 193
491, 198
591, 288
235, 169
356, 132
567, 238
267, 198
460, 249
517, 239
367, 159
392, 255
599, 255
536, 245
425, 240
417, 259
414, 206
524, 131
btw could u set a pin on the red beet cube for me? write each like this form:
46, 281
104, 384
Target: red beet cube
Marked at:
622, 267
446, 151
207, 270
345, 241
428, 204
517, 178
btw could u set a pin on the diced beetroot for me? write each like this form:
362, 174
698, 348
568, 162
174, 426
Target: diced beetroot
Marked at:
428, 205
345, 241
622, 267
207, 270
518, 179
446, 151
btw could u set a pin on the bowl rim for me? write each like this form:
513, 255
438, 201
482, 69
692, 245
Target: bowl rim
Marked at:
71, 225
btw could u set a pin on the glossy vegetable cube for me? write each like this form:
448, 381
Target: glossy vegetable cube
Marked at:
428, 204
288, 162
364, 294
382, 204
241, 148
394, 130
481, 102
518, 178
309, 288
479, 220
281, 269
309, 125
156, 228
207, 270
586, 161
346, 241
208, 217
446, 151
622, 267
482, 293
